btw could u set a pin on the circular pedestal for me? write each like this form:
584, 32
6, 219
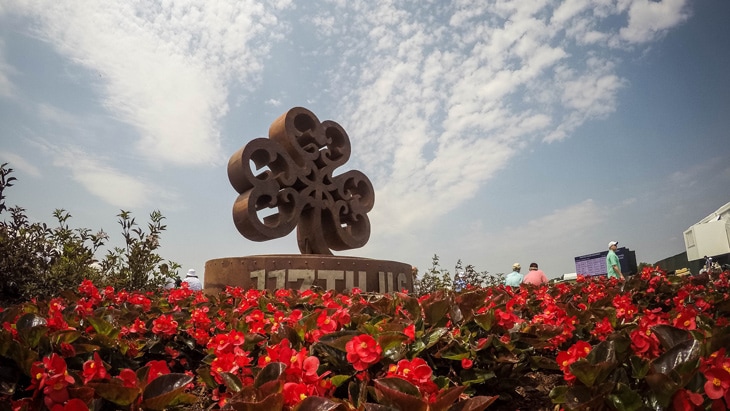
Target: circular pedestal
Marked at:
303, 272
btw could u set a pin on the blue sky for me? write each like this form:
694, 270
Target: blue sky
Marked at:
492, 131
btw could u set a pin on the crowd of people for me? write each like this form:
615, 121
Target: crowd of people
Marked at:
536, 276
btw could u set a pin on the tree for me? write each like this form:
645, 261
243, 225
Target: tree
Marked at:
37, 260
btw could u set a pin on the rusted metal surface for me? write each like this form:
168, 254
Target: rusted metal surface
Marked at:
287, 181
301, 272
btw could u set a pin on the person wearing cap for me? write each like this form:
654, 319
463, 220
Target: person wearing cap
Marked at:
535, 276
193, 280
613, 266
514, 279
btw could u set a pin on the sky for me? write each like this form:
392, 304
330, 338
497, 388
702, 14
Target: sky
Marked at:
493, 132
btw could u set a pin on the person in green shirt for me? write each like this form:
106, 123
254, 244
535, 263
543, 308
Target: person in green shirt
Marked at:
613, 266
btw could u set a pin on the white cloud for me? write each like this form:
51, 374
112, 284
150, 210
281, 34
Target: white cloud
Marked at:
570, 224
437, 98
19, 163
648, 19
164, 67
6, 85
442, 104
111, 185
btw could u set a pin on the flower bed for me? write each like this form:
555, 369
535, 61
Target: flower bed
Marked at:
652, 342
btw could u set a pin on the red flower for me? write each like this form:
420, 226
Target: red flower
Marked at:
156, 369
718, 382
325, 323
579, 350
505, 319
416, 371
603, 329
94, 369
128, 378
687, 319
140, 299
410, 332
625, 309
363, 351
294, 393
466, 363
73, 404
685, 400
67, 350
164, 326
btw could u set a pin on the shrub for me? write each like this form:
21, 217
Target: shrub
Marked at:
36, 259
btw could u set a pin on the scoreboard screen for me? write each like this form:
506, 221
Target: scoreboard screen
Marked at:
595, 264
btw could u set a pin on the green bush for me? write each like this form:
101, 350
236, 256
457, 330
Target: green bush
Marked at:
36, 259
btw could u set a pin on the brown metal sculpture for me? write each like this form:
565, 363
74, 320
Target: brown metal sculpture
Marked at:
290, 176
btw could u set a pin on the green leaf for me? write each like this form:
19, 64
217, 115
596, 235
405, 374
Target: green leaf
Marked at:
591, 374
720, 337
399, 393
537, 361
393, 344
338, 339
624, 398
204, 374
65, 336
435, 312
28, 321
273, 402
340, 379
682, 359
272, 372
435, 336
410, 305
315, 403
486, 320
231, 381
673, 370
116, 393
558, 395
478, 403
662, 387
161, 392
100, 325
446, 398
670, 336
639, 367
31, 328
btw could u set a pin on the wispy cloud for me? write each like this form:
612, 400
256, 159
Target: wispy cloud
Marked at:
437, 98
445, 96
6, 86
164, 67
111, 185
19, 163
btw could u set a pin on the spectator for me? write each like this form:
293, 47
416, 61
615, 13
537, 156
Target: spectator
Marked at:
193, 281
535, 276
613, 266
514, 279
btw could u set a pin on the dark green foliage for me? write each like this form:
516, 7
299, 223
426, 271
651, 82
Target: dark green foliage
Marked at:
437, 278
36, 259
434, 279
137, 266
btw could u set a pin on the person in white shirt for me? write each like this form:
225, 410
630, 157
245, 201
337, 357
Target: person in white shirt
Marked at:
193, 280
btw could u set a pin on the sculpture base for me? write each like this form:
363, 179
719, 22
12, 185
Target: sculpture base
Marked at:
302, 272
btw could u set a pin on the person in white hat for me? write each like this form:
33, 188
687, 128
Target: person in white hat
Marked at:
193, 280
514, 279
613, 266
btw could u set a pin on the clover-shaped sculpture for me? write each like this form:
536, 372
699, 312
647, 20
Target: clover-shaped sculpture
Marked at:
287, 181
